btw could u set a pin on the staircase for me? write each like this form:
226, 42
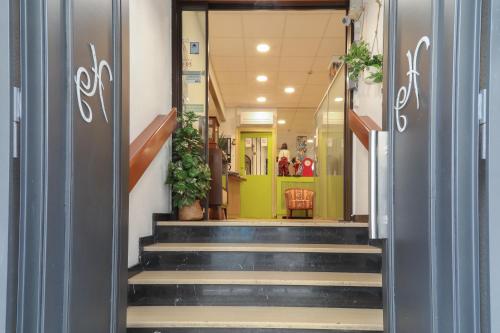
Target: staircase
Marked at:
257, 277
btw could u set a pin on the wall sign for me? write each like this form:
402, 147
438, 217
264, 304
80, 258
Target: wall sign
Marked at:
194, 47
88, 87
404, 93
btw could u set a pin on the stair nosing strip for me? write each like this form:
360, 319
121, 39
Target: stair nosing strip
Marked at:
330, 279
258, 223
374, 324
263, 248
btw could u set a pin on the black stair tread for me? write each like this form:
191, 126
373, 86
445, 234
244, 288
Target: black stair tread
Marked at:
264, 223
258, 278
263, 247
255, 317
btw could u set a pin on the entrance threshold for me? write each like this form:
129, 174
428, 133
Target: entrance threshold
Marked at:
266, 223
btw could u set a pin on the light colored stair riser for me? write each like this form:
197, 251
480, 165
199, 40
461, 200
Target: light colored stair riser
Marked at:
255, 317
251, 247
260, 223
326, 279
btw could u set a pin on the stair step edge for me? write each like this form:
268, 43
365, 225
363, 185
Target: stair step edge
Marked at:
260, 247
326, 279
254, 317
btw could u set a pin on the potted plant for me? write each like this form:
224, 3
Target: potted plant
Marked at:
360, 60
188, 173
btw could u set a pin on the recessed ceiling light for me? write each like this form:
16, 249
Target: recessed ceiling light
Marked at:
262, 78
263, 48
289, 90
282, 121
339, 99
261, 99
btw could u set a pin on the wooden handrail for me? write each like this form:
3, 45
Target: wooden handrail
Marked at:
361, 126
146, 146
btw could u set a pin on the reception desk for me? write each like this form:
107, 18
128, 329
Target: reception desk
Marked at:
284, 183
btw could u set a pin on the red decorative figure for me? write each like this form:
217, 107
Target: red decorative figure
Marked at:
307, 167
283, 167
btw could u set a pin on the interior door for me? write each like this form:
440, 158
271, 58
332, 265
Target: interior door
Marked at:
257, 167
431, 276
74, 168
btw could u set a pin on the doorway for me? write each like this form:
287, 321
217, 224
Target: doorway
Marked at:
50, 165
256, 164
290, 77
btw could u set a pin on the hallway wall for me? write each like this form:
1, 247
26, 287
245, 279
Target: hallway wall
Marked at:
150, 95
367, 102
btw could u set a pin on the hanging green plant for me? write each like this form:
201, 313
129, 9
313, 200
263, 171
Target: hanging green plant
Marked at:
373, 70
356, 59
188, 173
360, 59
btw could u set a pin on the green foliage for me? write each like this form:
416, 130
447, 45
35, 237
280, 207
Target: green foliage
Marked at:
223, 143
359, 58
188, 173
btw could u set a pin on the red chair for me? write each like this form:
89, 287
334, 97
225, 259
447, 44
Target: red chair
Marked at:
299, 199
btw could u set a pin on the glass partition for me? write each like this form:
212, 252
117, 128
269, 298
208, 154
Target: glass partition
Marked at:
194, 66
329, 150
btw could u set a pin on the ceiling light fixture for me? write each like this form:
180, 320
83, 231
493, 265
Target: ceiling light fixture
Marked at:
262, 78
282, 121
261, 99
339, 99
289, 90
310, 141
263, 48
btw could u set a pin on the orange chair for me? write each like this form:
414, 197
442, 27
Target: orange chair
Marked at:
299, 199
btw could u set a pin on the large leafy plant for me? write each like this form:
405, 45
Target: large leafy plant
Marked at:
188, 173
359, 58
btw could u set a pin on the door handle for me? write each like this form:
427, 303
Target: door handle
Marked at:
378, 184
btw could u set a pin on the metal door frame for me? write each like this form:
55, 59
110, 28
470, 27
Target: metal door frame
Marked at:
208, 5
490, 188
43, 264
9, 166
454, 232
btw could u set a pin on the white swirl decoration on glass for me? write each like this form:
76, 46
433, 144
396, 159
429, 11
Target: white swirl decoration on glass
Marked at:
404, 93
88, 87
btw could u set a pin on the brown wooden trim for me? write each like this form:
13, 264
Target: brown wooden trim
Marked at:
359, 218
361, 126
146, 146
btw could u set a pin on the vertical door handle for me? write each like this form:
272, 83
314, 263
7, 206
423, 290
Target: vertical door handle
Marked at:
378, 184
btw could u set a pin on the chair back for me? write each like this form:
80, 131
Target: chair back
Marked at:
299, 198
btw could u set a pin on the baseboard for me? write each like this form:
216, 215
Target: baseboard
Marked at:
164, 217
359, 218
145, 241
134, 270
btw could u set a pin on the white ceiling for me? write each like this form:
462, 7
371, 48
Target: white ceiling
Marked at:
300, 120
303, 44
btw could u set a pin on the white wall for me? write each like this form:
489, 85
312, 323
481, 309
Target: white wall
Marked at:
150, 95
367, 102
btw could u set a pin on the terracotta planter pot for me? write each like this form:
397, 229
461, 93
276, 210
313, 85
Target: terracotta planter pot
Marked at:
191, 213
